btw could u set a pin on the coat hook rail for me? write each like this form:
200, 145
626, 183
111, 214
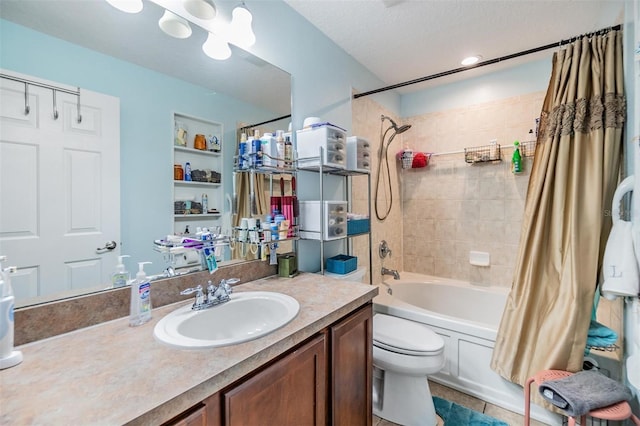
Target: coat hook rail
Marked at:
55, 89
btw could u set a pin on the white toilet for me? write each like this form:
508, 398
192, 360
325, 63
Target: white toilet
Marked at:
404, 353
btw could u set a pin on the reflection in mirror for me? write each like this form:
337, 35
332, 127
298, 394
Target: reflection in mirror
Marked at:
149, 81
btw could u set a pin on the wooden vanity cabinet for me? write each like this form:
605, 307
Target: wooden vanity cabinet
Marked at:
352, 369
324, 381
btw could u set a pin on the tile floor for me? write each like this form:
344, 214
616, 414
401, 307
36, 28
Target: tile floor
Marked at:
471, 402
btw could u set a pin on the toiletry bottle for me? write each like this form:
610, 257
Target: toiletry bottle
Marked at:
516, 159
8, 356
257, 148
266, 149
140, 298
288, 152
205, 203
187, 171
120, 277
242, 152
280, 147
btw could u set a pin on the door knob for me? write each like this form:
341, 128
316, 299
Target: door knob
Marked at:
108, 246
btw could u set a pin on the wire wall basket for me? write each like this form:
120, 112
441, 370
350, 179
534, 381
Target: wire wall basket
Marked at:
482, 154
528, 148
407, 159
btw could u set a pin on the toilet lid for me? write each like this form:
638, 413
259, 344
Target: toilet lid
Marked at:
404, 336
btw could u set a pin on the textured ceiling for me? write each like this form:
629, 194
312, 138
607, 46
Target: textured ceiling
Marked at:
400, 40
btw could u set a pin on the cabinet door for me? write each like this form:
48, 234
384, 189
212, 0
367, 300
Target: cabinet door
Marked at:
352, 369
293, 391
197, 416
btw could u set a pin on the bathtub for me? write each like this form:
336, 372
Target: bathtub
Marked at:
467, 317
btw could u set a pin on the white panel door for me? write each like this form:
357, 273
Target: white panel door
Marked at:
60, 188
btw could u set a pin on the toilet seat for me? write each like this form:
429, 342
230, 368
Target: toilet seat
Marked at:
405, 337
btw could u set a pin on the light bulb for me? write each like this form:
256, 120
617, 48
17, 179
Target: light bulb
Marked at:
216, 48
174, 25
203, 9
129, 6
240, 31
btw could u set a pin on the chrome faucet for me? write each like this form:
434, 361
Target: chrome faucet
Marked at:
385, 271
216, 295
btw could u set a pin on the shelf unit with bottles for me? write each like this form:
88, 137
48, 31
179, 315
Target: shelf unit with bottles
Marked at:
204, 156
318, 165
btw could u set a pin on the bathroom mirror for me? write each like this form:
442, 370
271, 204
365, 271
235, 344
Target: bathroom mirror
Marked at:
93, 46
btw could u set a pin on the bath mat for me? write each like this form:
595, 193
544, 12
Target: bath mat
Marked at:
457, 415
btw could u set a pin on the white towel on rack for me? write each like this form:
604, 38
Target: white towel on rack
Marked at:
621, 276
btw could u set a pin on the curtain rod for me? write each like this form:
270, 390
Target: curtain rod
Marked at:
487, 62
265, 122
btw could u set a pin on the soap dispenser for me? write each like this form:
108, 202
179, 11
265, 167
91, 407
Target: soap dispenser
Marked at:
8, 356
120, 277
140, 298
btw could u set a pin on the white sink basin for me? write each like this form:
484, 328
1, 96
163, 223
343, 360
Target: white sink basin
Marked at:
247, 316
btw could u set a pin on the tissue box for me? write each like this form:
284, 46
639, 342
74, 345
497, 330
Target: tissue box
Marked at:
342, 264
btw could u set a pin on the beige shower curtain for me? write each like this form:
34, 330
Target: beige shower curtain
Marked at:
243, 191
567, 212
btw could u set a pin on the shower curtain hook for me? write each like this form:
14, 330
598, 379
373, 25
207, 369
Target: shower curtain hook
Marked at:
79, 115
27, 109
55, 106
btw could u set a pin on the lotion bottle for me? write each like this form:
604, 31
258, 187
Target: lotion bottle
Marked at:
140, 298
120, 277
8, 356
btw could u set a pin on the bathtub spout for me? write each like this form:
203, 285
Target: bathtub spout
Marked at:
385, 271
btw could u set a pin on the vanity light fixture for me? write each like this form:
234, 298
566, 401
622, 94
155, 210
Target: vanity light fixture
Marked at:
178, 15
216, 47
240, 31
470, 60
129, 6
174, 25
203, 9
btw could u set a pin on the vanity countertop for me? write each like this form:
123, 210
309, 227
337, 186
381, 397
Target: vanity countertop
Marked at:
115, 374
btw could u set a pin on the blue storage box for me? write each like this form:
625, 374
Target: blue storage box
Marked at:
357, 226
342, 264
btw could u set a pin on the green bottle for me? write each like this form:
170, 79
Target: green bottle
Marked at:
516, 159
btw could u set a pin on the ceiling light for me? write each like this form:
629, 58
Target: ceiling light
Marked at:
240, 31
470, 60
129, 6
174, 25
216, 48
203, 9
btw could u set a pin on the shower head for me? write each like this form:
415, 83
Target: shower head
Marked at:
402, 129
396, 129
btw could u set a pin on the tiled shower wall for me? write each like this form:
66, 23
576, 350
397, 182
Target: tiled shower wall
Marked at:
450, 207
366, 123
444, 211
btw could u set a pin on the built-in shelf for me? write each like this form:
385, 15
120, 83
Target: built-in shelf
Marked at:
207, 164
197, 151
197, 216
194, 183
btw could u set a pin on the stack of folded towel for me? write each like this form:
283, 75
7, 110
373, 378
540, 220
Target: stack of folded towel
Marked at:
600, 337
584, 391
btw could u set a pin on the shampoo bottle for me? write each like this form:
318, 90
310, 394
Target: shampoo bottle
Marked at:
140, 298
516, 159
8, 357
120, 277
